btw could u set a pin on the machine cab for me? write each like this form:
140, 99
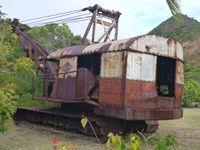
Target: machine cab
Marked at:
140, 78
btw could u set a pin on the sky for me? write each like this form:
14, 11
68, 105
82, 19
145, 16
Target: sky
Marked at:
138, 16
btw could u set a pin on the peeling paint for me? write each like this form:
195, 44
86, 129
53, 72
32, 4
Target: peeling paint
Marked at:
67, 65
111, 65
141, 67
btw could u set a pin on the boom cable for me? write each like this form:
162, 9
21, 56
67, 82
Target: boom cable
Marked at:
53, 18
66, 13
63, 21
50, 18
59, 18
42, 24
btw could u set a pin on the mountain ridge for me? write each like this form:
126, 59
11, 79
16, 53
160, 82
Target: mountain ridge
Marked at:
187, 32
184, 29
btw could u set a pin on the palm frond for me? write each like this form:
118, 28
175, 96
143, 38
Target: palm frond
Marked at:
174, 6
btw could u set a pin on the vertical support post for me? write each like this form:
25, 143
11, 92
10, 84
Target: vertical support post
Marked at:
94, 23
116, 30
96, 9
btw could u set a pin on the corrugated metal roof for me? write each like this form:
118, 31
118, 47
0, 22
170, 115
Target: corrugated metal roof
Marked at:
144, 44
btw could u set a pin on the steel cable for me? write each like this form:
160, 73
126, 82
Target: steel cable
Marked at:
64, 20
43, 21
53, 15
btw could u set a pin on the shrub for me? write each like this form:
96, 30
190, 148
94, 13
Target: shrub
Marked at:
7, 105
134, 142
191, 92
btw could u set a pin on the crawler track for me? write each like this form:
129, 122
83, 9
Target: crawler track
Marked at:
69, 120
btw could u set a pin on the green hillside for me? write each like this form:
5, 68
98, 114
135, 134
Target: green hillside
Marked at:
185, 29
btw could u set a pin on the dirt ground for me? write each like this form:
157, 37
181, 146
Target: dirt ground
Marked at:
26, 136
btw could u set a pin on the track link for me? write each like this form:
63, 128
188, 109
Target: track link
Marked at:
71, 121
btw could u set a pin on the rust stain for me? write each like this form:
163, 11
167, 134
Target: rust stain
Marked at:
179, 90
153, 114
85, 81
153, 103
179, 72
140, 90
148, 48
110, 92
140, 114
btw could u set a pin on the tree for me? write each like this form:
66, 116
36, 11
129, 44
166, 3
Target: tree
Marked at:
191, 92
16, 71
54, 36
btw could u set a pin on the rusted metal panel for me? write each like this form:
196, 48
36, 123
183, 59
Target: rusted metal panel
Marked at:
67, 65
153, 103
66, 88
111, 65
111, 111
51, 93
179, 88
141, 67
93, 48
140, 114
177, 103
158, 45
141, 104
179, 72
149, 44
153, 114
85, 81
110, 92
140, 90
67, 51
118, 45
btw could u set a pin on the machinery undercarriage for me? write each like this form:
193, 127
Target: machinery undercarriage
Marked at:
70, 120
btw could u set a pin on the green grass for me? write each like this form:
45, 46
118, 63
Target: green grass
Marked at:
26, 100
186, 128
